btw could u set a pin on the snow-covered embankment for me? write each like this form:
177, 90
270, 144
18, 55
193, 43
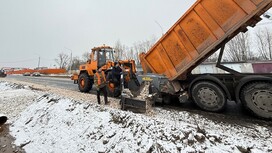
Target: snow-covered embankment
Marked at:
52, 123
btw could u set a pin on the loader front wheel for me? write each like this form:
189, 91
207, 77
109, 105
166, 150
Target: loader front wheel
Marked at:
84, 83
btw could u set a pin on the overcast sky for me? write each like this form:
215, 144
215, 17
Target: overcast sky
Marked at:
30, 29
33, 28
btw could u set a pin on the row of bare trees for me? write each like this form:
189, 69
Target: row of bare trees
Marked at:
245, 47
126, 52
264, 44
122, 51
64, 61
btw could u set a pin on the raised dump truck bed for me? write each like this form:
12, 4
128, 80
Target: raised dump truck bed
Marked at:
200, 32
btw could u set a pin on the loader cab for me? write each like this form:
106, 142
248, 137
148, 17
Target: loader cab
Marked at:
102, 55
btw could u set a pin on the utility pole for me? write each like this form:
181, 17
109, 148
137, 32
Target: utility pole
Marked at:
71, 62
39, 62
159, 26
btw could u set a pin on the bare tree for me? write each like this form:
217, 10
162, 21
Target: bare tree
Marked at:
120, 50
86, 56
76, 63
238, 49
125, 52
264, 43
62, 60
142, 46
130, 53
213, 57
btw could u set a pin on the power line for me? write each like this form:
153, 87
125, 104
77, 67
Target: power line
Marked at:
47, 59
159, 26
27, 60
18, 61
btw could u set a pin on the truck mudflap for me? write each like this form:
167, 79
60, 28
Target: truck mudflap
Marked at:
140, 102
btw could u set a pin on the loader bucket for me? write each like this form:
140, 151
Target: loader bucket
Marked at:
133, 104
141, 101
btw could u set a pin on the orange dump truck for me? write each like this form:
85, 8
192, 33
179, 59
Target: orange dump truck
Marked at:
206, 27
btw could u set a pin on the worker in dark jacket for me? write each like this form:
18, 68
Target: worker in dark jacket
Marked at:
116, 73
101, 83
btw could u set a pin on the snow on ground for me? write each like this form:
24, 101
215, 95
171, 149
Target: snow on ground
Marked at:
15, 98
4, 86
52, 123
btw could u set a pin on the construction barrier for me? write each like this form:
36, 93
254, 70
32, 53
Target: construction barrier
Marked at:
42, 71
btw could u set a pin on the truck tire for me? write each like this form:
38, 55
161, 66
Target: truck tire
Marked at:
167, 99
257, 97
208, 96
84, 83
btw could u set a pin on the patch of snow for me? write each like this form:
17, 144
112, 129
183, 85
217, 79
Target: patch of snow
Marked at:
4, 86
14, 99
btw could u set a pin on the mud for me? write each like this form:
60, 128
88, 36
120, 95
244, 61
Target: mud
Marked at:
7, 141
232, 115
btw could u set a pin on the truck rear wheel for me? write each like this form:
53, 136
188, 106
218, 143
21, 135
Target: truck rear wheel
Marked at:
208, 96
257, 97
166, 99
84, 83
